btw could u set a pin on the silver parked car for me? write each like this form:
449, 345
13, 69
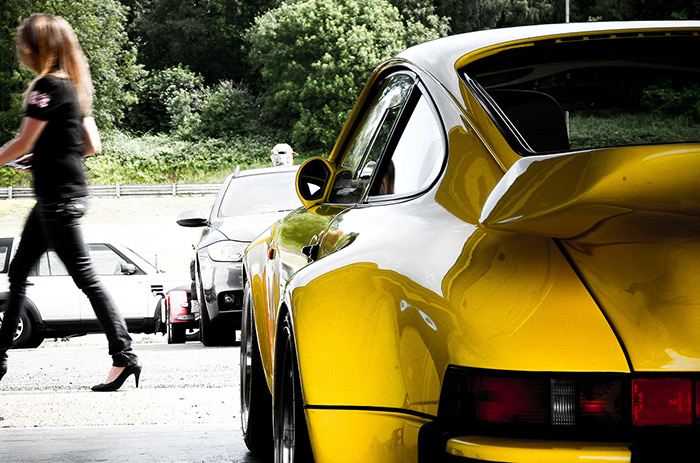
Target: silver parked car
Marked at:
249, 201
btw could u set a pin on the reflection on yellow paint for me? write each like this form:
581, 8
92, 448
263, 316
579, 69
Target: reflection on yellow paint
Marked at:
363, 436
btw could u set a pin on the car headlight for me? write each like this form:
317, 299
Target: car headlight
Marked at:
226, 251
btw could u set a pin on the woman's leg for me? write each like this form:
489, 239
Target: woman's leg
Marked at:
62, 226
32, 244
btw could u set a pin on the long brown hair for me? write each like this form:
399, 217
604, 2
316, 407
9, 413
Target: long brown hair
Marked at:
47, 45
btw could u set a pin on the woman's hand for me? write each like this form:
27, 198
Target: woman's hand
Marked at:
23, 164
29, 131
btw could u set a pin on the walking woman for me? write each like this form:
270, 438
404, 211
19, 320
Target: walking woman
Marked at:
57, 128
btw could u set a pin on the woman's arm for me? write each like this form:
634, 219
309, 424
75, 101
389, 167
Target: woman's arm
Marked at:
93, 145
29, 131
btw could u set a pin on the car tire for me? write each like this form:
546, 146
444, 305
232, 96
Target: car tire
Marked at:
214, 334
290, 431
192, 334
256, 401
176, 333
24, 337
209, 334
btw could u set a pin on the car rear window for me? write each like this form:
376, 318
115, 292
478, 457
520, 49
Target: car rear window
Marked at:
594, 91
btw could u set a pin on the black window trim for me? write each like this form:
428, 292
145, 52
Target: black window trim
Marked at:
498, 117
419, 90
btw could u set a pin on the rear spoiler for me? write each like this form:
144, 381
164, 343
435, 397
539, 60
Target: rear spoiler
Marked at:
564, 196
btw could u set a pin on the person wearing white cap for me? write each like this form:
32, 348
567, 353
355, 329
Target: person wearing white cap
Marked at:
282, 155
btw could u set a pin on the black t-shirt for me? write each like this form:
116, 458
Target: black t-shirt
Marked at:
58, 154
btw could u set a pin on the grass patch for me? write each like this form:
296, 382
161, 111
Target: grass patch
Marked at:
630, 129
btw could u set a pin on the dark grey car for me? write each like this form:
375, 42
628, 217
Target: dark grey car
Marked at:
249, 201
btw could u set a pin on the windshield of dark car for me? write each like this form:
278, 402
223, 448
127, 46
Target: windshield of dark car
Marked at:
260, 193
597, 91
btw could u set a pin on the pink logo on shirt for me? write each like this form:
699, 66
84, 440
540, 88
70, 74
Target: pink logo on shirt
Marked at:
39, 99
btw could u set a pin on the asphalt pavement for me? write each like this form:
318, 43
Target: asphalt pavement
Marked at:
186, 408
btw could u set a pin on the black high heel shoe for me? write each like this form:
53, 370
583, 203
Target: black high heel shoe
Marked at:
134, 369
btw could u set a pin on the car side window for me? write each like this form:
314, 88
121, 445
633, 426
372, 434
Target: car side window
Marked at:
5, 247
105, 260
417, 157
370, 139
50, 265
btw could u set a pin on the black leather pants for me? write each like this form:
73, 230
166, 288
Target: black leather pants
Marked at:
56, 225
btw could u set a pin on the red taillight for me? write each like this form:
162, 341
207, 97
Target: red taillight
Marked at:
697, 401
178, 304
511, 400
662, 402
600, 401
576, 402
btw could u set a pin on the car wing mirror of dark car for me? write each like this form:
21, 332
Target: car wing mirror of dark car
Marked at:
127, 268
191, 218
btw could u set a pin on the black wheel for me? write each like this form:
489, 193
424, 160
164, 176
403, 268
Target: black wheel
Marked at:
290, 432
256, 401
209, 333
176, 334
192, 334
214, 334
24, 336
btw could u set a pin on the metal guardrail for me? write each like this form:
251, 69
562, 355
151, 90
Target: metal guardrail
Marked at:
118, 191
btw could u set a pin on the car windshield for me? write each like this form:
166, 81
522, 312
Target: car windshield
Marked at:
597, 91
260, 193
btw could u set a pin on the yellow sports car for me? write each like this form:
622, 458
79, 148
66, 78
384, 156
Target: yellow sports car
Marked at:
499, 261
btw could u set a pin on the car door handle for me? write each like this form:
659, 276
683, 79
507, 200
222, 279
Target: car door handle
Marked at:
311, 251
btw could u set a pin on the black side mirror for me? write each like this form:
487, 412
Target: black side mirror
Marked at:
312, 181
191, 218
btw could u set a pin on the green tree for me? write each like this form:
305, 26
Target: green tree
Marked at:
475, 15
629, 10
314, 57
423, 11
100, 27
204, 35
160, 100
229, 111
13, 79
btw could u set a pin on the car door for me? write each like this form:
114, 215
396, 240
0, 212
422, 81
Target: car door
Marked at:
399, 160
53, 291
124, 281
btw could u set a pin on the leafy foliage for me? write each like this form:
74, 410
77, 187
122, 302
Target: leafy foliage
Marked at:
203, 35
683, 102
229, 111
314, 57
161, 159
490, 14
100, 27
156, 93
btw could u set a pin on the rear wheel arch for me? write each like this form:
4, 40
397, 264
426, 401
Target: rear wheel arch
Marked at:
290, 428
